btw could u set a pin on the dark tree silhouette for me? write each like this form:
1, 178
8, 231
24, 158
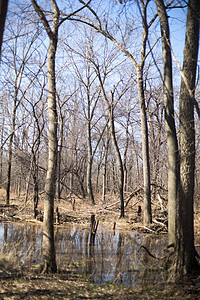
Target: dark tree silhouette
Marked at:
3, 12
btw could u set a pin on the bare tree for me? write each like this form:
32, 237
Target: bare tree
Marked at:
106, 147
90, 95
110, 107
48, 228
181, 227
139, 67
38, 127
17, 92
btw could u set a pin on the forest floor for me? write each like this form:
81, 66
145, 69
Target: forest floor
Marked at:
19, 282
22, 283
76, 210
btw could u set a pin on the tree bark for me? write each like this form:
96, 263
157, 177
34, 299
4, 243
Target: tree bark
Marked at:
48, 226
105, 167
145, 149
185, 261
10, 150
125, 153
89, 145
172, 143
144, 126
60, 147
49, 255
119, 159
1, 151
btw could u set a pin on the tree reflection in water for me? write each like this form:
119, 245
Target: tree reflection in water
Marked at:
118, 275
113, 256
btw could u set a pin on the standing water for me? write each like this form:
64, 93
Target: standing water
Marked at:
115, 256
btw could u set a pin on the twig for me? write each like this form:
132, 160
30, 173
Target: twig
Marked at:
159, 223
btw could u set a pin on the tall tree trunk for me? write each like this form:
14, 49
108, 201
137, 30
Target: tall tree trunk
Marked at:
9, 167
49, 255
144, 126
36, 189
105, 167
48, 226
89, 146
139, 67
119, 159
114, 140
3, 13
10, 150
172, 143
145, 149
125, 152
185, 260
1, 150
60, 146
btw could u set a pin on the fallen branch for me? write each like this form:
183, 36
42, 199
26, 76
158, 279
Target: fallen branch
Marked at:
113, 204
132, 195
148, 229
159, 223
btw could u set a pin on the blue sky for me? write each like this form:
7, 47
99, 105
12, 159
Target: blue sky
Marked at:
177, 21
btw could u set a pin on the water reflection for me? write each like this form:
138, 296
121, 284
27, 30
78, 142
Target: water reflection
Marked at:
21, 240
114, 256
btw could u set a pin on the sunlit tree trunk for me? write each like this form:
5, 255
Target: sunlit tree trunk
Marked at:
145, 149
173, 170
144, 126
48, 228
49, 254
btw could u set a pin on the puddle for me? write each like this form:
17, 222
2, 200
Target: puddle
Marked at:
114, 257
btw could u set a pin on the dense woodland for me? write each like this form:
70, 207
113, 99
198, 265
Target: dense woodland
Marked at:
100, 99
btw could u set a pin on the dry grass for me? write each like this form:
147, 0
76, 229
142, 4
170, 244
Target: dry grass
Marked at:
17, 282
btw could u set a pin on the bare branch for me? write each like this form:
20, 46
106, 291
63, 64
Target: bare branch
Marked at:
75, 12
43, 18
110, 37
